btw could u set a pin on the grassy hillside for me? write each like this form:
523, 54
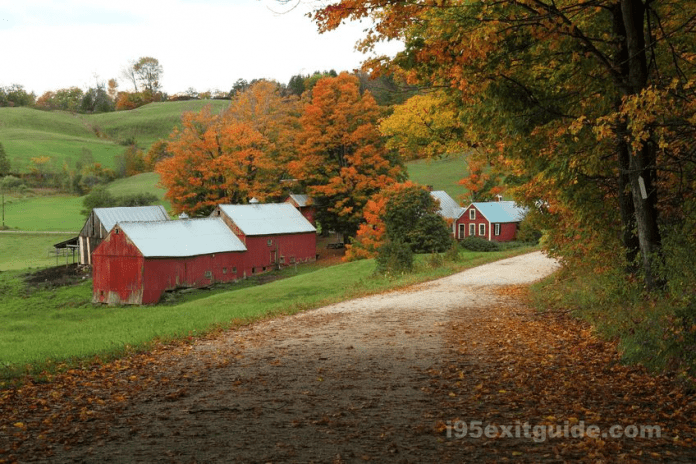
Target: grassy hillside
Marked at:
147, 123
441, 174
62, 136
62, 212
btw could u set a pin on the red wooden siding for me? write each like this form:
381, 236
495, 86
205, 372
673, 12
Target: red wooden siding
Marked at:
117, 271
265, 251
123, 275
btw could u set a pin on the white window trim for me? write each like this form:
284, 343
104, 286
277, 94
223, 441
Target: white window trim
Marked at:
461, 231
472, 230
482, 229
472, 214
496, 229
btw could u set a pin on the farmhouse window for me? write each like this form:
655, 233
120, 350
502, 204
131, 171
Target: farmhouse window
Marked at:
292, 259
208, 275
472, 214
234, 270
269, 242
461, 230
224, 270
282, 259
472, 230
482, 229
496, 229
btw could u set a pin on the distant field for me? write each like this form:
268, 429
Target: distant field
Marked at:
24, 251
62, 136
150, 122
441, 174
50, 213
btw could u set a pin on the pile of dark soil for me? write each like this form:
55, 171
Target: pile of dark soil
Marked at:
58, 276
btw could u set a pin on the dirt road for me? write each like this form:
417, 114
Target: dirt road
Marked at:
454, 370
344, 383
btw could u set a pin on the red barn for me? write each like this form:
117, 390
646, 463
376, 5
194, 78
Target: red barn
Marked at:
138, 261
494, 220
102, 220
275, 234
305, 205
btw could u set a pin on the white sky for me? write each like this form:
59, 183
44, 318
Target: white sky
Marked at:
204, 44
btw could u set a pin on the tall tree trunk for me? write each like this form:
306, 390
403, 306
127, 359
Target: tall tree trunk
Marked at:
642, 162
627, 210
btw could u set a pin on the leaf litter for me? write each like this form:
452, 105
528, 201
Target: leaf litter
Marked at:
386, 378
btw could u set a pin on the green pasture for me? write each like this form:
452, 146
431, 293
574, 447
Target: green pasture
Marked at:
442, 174
150, 122
28, 250
39, 327
28, 133
44, 213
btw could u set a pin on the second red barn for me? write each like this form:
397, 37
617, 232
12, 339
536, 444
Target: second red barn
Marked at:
275, 234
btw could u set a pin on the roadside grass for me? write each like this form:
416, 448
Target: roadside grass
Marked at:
26, 251
49, 329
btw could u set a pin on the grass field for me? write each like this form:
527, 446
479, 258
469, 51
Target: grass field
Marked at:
442, 174
24, 251
44, 213
62, 136
40, 326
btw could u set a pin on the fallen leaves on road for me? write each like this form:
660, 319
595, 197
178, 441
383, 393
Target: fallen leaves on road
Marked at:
548, 371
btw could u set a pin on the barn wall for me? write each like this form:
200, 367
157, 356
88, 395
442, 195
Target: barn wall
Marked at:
265, 251
162, 274
117, 272
508, 231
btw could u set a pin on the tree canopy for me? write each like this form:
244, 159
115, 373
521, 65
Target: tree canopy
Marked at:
589, 104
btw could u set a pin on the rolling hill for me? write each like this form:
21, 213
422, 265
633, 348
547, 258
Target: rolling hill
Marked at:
63, 137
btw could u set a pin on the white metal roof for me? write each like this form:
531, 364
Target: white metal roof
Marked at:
300, 199
109, 217
449, 208
188, 237
500, 211
267, 219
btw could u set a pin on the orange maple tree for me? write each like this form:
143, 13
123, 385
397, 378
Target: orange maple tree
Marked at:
215, 161
341, 159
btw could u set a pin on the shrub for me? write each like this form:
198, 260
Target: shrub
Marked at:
395, 257
479, 244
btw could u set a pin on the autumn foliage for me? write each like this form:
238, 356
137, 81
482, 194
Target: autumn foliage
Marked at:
341, 158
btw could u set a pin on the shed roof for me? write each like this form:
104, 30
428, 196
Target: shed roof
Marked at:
449, 208
499, 211
267, 219
300, 199
189, 237
109, 217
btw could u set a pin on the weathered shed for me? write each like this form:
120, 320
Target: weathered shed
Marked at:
305, 205
493, 220
138, 261
102, 220
275, 234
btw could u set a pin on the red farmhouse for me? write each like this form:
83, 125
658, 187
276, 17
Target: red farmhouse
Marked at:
275, 234
138, 261
495, 220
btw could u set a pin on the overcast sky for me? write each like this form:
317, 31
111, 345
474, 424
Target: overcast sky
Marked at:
203, 44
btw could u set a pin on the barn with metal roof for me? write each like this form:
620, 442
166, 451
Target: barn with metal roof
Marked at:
102, 220
493, 220
275, 234
305, 205
138, 261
